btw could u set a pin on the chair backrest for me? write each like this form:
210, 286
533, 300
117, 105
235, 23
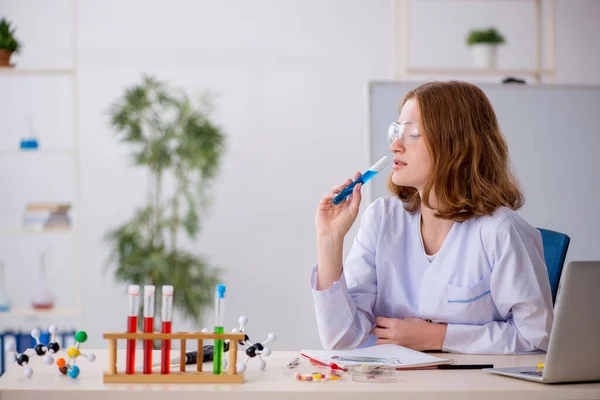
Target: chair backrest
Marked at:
556, 245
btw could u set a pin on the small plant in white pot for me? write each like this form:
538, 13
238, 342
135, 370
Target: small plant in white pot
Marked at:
484, 46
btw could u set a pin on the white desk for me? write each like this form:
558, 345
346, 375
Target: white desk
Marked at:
271, 383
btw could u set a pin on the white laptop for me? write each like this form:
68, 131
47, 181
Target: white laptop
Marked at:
574, 349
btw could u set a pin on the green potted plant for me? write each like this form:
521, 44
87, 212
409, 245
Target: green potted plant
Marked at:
484, 44
174, 139
8, 43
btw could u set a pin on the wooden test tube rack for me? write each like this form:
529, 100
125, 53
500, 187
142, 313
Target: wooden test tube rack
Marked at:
182, 376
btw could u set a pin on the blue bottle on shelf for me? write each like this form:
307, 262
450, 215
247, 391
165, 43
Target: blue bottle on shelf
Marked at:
5, 301
29, 140
29, 144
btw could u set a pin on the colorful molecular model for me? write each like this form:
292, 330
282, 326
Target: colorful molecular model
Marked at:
52, 348
253, 350
69, 367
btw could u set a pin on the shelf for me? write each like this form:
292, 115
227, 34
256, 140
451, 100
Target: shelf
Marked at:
35, 71
30, 312
478, 71
39, 152
544, 69
32, 231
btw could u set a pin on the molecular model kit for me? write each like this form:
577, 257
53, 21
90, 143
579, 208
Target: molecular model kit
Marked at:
66, 366
252, 350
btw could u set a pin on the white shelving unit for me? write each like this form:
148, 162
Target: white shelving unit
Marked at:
37, 153
26, 231
36, 71
30, 312
541, 73
74, 233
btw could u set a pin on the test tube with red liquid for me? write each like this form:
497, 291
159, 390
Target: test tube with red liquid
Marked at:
167, 318
148, 326
132, 318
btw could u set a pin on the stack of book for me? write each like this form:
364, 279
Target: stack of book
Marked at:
47, 216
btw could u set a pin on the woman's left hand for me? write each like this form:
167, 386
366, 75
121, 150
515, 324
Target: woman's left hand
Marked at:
414, 333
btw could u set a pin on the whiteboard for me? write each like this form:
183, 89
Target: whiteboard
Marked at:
553, 135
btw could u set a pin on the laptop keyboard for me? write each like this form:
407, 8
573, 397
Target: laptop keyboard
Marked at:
532, 373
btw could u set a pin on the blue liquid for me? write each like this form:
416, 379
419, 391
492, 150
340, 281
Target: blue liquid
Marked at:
29, 144
364, 178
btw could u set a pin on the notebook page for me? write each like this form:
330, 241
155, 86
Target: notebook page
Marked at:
385, 354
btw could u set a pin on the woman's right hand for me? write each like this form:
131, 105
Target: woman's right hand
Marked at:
336, 220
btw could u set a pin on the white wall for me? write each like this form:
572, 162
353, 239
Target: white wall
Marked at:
291, 80
578, 48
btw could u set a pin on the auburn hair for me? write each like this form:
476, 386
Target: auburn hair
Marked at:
470, 171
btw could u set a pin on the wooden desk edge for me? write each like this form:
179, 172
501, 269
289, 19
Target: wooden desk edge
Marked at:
174, 377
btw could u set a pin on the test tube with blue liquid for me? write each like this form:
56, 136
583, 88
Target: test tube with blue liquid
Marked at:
219, 328
364, 178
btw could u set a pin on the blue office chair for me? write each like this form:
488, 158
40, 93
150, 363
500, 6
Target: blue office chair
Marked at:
556, 245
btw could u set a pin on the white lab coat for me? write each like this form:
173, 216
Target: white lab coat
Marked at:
488, 282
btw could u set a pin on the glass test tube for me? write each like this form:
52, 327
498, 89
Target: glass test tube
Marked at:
149, 291
167, 317
219, 324
132, 318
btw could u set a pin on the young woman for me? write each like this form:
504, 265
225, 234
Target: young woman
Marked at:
446, 263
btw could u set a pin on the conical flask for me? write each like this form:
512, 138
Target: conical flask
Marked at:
43, 298
5, 302
29, 140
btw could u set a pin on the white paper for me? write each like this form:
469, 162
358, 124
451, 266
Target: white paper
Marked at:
387, 354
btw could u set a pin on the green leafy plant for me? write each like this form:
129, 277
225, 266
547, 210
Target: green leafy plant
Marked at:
485, 36
174, 138
8, 41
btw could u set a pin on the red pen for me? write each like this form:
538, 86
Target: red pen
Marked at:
322, 364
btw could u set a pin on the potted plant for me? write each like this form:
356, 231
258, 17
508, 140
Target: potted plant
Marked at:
484, 44
8, 43
174, 139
